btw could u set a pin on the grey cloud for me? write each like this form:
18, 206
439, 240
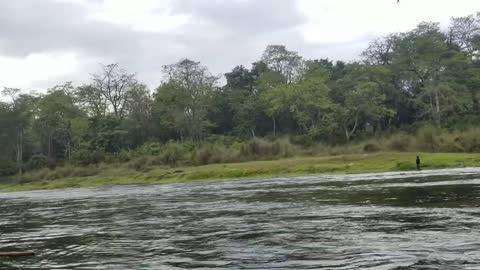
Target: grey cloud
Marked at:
220, 34
249, 16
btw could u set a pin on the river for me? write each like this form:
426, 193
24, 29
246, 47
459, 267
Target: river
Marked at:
414, 220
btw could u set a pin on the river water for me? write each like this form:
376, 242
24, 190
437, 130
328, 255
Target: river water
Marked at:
417, 220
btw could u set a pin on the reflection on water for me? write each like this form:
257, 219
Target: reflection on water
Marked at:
427, 220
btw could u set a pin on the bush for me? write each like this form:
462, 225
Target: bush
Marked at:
222, 140
258, 148
123, 156
140, 163
37, 162
426, 139
83, 157
7, 167
371, 148
400, 142
212, 154
303, 140
172, 154
469, 141
151, 149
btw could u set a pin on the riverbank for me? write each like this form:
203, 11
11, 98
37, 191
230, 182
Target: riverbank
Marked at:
341, 164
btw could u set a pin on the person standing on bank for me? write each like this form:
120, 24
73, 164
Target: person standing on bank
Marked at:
418, 163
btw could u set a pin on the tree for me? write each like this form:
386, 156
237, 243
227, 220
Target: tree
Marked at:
139, 114
288, 63
112, 84
54, 112
464, 31
20, 117
380, 50
185, 97
310, 104
273, 93
363, 103
421, 56
91, 100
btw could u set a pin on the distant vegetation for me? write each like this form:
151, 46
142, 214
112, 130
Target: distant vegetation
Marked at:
413, 91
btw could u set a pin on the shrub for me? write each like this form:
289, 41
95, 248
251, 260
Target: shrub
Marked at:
151, 149
400, 143
37, 161
84, 171
123, 156
172, 154
303, 140
371, 147
83, 157
7, 167
469, 140
258, 148
426, 139
139, 164
222, 140
212, 154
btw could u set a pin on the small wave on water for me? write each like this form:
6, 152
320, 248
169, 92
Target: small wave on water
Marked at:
413, 220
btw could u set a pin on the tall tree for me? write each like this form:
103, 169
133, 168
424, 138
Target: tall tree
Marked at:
288, 63
53, 120
139, 111
464, 31
380, 50
185, 97
421, 56
113, 84
20, 115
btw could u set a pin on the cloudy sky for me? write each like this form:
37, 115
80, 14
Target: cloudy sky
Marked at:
46, 42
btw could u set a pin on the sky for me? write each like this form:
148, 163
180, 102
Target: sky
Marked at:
49, 42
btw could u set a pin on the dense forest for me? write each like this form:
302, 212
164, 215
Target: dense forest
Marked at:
403, 81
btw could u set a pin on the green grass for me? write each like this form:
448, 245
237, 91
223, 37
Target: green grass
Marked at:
341, 164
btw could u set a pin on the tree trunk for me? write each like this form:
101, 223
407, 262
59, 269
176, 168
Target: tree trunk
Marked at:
348, 134
49, 148
253, 132
274, 126
476, 106
20, 153
437, 107
432, 111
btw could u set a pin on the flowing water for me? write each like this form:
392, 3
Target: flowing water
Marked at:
418, 220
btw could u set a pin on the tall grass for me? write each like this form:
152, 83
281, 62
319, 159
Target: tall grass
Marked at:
228, 150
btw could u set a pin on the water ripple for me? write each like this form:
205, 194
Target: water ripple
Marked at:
415, 220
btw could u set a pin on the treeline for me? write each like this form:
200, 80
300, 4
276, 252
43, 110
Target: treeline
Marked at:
427, 76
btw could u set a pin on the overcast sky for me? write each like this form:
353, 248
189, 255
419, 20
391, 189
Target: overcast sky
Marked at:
47, 42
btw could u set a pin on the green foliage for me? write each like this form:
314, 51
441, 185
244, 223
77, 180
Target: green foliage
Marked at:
7, 167
83, 157
37, 161
261, 149
213, 153
151, 149
173, 153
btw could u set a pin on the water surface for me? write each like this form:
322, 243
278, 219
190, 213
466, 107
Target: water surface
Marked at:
418, 220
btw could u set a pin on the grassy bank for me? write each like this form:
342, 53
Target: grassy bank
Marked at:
352, 163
